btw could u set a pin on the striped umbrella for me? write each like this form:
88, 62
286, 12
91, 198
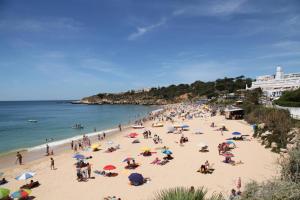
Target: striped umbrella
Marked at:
25, 176
23, 193
4, 193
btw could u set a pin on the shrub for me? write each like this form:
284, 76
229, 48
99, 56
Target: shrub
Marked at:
290, 166
271, 190
181, 193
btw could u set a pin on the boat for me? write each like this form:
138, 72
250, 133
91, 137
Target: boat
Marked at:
78, 126
32, 120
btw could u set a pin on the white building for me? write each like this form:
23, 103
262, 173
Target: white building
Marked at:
274, 85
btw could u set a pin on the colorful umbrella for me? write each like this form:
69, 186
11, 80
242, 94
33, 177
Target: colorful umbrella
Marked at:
21, 193
167, 152
236, 133
146, 149
229, 142
4, 193
133, 135
136, 179
79, 156
128, 159
185, 126
95, 146
25, 176
228, 154
109, 167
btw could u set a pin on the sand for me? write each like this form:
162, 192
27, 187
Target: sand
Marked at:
259, 164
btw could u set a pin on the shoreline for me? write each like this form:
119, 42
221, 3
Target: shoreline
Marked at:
59, 146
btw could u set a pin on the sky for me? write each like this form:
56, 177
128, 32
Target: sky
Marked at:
69, 49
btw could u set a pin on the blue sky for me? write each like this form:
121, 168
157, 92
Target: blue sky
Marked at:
69, 49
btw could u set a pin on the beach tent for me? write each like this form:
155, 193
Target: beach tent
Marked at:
4, 193
25, 176
202, 144
79, 156
109, 167
236, 133
136, 179
167, 152
23, 193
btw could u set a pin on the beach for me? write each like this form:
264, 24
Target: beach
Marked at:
259, 163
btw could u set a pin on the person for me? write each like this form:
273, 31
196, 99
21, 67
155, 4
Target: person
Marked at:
89, 169
52, 163
232, 195
120, 127
192, 189
19, 158
72, 144
75, 148
3, 181
103, 135
47, 150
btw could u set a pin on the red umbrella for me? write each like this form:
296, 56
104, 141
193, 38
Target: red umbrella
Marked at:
133, 135
109, 167
228, 154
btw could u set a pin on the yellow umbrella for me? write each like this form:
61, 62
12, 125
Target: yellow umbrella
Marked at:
145, 149
95, 146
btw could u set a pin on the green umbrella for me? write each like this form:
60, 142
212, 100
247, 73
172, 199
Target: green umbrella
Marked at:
4, 193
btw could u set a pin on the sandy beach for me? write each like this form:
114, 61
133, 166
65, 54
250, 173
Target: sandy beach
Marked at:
258, 164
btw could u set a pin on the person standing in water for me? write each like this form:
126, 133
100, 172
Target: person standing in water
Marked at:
19, 158
47, 150
120, 127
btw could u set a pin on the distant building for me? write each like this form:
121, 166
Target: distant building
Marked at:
274, 85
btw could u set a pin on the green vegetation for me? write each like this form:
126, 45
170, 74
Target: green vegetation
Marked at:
174, 93
289, 99
181, 193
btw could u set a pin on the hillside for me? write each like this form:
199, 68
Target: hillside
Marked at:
172, 93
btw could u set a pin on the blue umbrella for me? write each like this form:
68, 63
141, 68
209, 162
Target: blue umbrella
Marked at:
236, 133
229, 142
79, 156
167, 152
136, 179
185, 126
25, 176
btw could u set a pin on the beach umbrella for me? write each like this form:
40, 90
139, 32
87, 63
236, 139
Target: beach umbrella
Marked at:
146, 149
25, 176
23, 193
202, 144
109, 167
236, 133
167, 152
171, 129
79, 156
133, 135
95, 146
128, 159
228, 154
136, 179
185, 126
230, 142
177, 125
4, 193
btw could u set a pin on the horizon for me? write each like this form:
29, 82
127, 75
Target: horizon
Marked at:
73, 49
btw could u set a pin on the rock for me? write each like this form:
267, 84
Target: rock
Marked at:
261, 126
266, 134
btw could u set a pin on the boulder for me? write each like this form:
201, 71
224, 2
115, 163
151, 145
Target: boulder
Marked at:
274, 145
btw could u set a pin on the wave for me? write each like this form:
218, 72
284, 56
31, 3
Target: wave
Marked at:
68, 140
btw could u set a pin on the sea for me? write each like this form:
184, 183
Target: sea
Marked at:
55, 119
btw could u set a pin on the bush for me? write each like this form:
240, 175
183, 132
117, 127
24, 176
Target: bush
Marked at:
271, 190
290, 166
181, 193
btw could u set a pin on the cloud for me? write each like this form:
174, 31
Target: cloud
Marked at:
143, 30
40, 25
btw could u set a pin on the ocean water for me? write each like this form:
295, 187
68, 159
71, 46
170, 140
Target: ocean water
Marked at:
55, 120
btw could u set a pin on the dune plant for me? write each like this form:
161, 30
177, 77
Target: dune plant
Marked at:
181, 193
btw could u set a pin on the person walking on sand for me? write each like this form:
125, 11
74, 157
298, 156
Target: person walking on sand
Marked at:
89, 169
72, 144
47, 150
19, 158
120, 127
52, 163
